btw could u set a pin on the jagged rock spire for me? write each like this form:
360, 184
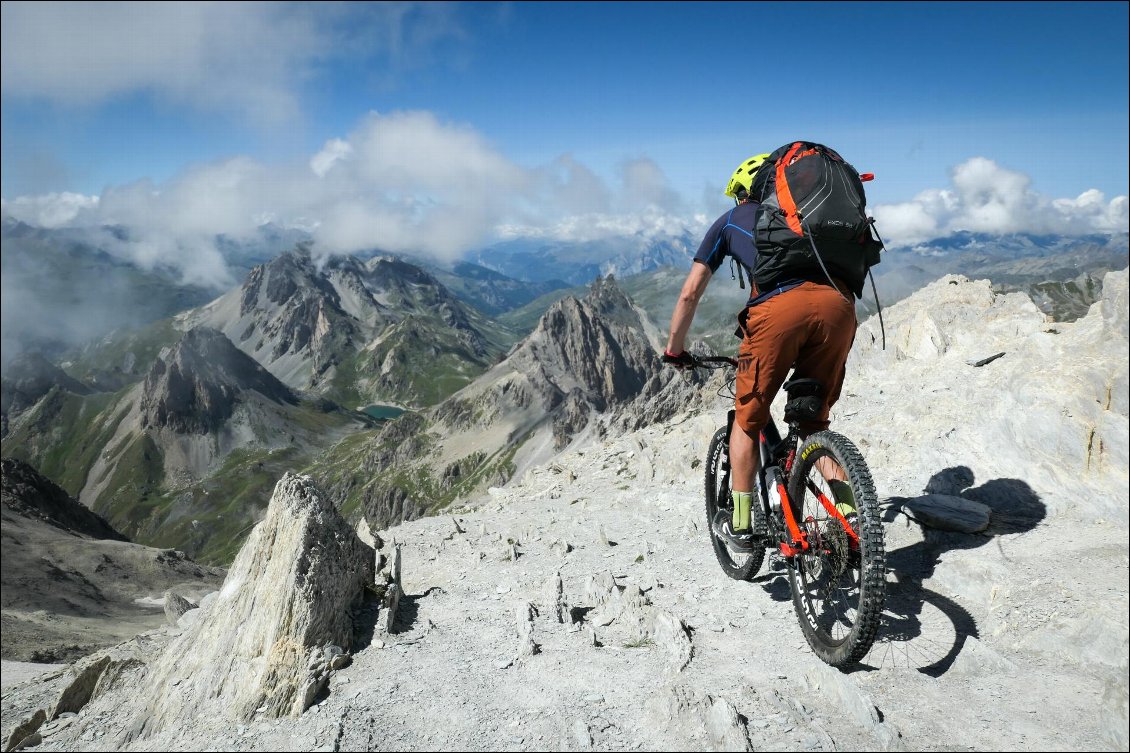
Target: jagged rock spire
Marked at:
287, 597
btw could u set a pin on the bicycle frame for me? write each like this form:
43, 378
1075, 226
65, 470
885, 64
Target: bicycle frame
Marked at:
770, 445
835, 560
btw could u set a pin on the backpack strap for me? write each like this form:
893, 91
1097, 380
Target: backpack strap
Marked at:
784, 195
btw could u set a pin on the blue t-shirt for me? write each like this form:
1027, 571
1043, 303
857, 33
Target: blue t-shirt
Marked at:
732, 235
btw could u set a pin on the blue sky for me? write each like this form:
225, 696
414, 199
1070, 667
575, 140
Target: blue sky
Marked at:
591, 108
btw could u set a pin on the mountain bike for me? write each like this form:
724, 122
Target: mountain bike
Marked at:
836, 561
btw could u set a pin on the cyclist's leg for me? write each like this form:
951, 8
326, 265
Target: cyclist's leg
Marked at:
831, 326
773, 334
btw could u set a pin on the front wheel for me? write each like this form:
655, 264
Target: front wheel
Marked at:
838, 583
737, 565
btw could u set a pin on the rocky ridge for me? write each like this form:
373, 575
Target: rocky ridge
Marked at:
25, 492
26, 380
338, 326
194, 389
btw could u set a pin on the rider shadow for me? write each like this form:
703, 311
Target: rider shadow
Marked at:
1015, 508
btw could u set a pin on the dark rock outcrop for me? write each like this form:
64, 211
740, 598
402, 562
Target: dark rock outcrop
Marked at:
26, 492
195, 388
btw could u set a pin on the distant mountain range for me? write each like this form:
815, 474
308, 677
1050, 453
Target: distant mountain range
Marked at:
580, 262
357, 332
63, 288
59, 291
587, 356
179, 457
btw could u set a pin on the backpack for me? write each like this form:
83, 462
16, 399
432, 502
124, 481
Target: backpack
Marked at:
813, 221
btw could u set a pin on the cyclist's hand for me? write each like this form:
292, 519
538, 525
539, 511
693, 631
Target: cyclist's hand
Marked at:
682, 360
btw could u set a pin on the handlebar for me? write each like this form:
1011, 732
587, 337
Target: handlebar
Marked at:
713, 362
689, 360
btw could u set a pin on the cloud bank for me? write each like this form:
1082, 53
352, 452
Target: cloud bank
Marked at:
402, 182
408, 183
985, 197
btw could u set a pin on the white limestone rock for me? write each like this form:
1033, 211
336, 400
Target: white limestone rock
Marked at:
288, 594
947, 512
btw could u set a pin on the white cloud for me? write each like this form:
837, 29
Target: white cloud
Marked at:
403, 182
49, 210
212, 55
986, 197
648, 222
645, 185
407, 182
334, 151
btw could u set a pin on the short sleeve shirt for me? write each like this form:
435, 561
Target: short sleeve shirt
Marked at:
732, 235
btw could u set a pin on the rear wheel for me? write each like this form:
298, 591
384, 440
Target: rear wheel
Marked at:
838, 583
719, 505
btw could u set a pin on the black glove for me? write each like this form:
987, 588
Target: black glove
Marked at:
683, 360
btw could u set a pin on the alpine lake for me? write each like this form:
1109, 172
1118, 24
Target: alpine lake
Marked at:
383, 412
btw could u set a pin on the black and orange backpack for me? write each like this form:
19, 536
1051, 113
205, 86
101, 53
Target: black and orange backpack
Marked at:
813, 222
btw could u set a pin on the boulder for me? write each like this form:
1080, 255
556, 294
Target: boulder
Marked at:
260, 646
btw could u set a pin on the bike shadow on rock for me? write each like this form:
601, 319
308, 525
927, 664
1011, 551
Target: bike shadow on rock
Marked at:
931, 639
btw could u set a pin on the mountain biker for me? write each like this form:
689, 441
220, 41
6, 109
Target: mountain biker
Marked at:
806, 323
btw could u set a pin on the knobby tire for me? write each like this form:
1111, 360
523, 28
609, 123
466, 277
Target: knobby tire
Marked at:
737, 565
838, 590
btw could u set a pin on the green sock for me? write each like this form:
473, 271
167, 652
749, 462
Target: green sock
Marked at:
845, 500
743, 501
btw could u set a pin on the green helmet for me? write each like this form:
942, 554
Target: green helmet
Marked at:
742, 180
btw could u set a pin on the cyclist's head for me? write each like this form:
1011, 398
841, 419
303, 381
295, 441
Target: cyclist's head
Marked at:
742, 180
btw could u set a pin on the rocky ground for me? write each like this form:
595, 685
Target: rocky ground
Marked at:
1013, 638
989, 642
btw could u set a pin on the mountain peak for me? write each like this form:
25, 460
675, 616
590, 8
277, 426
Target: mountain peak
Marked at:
194, 388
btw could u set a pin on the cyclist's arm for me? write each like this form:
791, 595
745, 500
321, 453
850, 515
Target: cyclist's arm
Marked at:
693, 288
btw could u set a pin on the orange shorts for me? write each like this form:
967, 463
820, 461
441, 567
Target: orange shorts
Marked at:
811, 327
